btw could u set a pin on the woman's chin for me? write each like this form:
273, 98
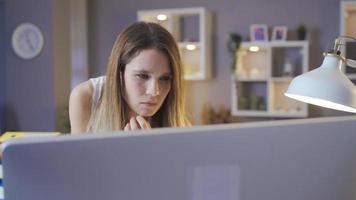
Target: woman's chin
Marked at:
146, 113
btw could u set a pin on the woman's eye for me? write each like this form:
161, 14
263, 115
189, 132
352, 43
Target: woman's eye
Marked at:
142, 76
166, 78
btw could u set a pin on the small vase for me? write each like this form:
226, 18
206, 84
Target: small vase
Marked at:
288, 67
301, 35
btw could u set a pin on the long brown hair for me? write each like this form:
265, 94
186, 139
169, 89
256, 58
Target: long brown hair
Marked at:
113, 112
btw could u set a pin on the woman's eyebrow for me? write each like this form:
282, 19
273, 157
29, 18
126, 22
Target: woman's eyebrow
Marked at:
141, 71
148, 72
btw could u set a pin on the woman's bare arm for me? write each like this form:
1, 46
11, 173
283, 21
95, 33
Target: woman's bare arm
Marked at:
80, 102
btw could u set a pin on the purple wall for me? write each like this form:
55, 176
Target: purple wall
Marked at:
2, 64
29, 83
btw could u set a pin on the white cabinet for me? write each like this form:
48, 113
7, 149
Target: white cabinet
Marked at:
347, 28
191, 27
262, 74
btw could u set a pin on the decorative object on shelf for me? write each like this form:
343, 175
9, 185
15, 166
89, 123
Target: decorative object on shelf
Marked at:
210, 116
301, 32
279, 33
232, 45
257, 103
243, 103
223, 115
261, 104
255, 73
27, 41
327, 86
288, 67
207, 114
242, 73
259, 32
253, 102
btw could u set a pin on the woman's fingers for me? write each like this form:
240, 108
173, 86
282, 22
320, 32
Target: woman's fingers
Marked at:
137, 123
127, 127
134, 124
143, 123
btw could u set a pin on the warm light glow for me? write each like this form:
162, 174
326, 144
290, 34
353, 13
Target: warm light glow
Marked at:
162, 17
254, 48
321, 102
191, 47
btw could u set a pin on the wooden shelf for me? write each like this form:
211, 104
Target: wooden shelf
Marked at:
197, 61
347, 28
282, 79
264, 96
251, 79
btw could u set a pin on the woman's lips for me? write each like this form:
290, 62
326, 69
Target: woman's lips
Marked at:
149, 103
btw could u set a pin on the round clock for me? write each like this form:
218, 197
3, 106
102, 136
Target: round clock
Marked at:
27, 41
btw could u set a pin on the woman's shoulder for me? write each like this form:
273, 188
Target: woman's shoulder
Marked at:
80, 106
83, 91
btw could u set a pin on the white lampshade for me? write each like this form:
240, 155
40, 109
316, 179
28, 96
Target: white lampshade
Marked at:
326, 86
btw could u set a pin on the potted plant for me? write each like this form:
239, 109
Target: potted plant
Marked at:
301, 32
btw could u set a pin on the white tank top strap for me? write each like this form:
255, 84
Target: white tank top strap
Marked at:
98, 86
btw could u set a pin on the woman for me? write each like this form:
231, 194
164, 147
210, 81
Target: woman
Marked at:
143, 86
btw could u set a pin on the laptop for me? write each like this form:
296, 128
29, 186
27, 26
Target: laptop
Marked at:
309, 159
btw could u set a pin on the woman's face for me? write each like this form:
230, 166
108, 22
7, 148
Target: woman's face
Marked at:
147, 82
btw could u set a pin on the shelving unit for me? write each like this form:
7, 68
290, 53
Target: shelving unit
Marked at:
347, 28
262, 76
191, 27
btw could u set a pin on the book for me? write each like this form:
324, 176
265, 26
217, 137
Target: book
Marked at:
14, 134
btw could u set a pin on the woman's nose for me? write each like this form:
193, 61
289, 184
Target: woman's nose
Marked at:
153, 88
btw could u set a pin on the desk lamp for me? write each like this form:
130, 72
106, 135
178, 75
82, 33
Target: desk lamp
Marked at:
327, 86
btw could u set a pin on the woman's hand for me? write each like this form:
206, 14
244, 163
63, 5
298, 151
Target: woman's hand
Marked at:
137, 123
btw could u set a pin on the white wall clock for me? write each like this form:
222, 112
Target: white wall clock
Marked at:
27, 41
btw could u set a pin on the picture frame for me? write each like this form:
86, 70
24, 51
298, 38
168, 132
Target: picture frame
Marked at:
279, 33
259, 32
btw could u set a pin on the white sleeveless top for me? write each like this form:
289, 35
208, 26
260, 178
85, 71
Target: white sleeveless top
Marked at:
98, 87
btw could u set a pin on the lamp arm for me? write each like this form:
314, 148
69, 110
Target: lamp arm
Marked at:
341, 41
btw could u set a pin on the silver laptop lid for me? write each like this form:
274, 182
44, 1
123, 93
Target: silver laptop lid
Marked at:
293, 159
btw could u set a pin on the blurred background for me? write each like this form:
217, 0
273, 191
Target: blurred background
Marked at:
78, 36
